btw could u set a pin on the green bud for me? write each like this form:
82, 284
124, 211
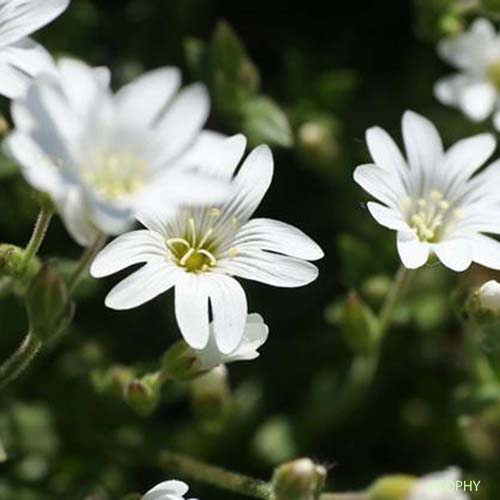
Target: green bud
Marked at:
300, 479
49, 310
180, 363
114, 380
376, 287
211, 394
13, 263
143, 395
264, 122
317, 141
395, 487
451, 25
360, 325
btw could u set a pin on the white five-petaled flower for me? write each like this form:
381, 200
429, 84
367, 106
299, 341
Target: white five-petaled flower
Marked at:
200, 251
168, 490
20, 57
433, 200
475, 90
254, 336
438, 486
103, 157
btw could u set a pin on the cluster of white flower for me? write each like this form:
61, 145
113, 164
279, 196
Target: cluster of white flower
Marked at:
109, 160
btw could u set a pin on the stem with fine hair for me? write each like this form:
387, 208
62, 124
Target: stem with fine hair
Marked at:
39, 232
21, 358
232, 481
85, 262
216, 476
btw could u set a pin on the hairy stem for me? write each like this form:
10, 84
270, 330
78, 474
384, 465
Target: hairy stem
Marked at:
85, 262
391, 301
39, 232
216, 476
17, 363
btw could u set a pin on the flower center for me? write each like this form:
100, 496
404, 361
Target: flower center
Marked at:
194, 251
432, 216
493, 74
115, 175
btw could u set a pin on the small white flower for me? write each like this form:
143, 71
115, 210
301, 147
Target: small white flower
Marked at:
103, 157
168, 490
254, 336
438, 486
434, 201
475, 89
20, 57
201, 250
489, 296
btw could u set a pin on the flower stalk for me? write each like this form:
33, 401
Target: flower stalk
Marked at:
17, 363
85, 262
39, 232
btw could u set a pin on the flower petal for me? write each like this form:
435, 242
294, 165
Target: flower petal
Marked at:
143, 285
174, 488
272, 269
449, 89
22, 17
477, 101
229, 310
385, 152
387, 217
126, 250
412, 251
381, 184
423, 145
141, 101
276, 236
485, 251
19, 62
454, 254
183, 120
191, 309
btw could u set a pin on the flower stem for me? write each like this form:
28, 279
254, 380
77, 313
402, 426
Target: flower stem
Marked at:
84, 263
395, 293
18, 362
481, 370
216, 476
39, 232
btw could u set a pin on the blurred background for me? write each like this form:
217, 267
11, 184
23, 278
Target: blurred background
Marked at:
308, 79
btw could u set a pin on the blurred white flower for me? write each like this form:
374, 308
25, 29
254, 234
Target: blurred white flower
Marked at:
433, 201
475, 89
21, 57
489, 296
254, 336
438, 486
200, 251
103, 157
168, 490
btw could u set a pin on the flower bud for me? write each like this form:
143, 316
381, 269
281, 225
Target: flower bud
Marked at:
211, 394
488, 297
359, 326
397, 487
317, 141
143, 395
301, 479
13, 263
47, 303
181, 363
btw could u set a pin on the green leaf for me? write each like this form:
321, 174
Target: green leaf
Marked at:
263, 121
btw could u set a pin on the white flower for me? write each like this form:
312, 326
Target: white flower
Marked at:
438, 486
21, 57
201, 250
103, 157
475, 89
433, 201
168, 490
489, 296
254, 336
